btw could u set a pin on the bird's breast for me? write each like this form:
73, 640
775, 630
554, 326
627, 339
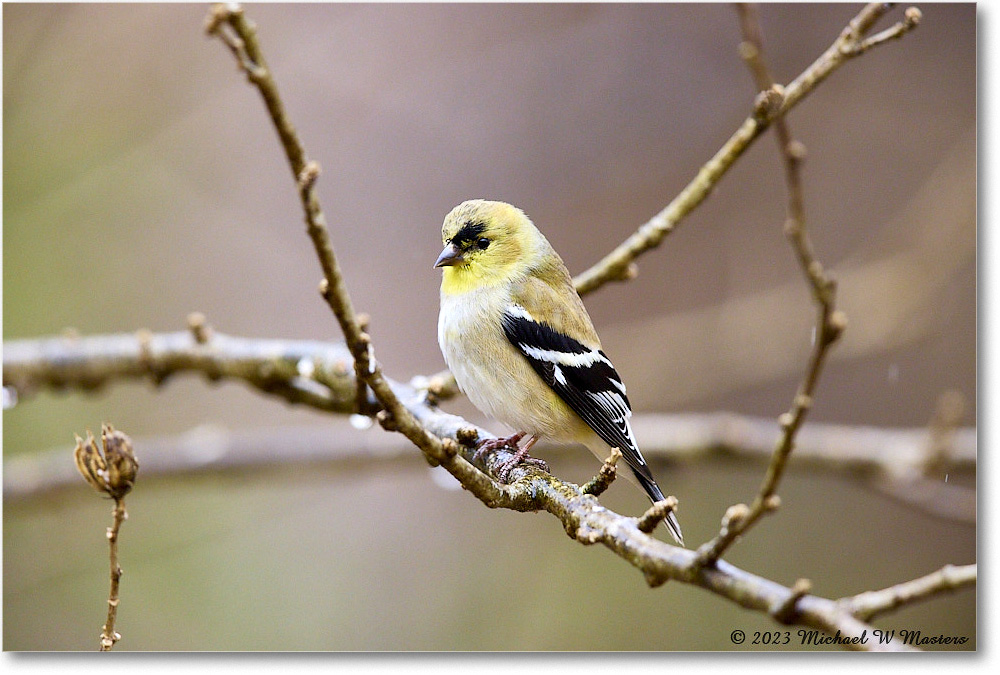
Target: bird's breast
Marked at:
497, 379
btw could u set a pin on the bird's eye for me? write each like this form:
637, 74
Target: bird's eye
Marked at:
483, 243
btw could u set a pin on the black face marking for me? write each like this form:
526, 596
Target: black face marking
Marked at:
468, 235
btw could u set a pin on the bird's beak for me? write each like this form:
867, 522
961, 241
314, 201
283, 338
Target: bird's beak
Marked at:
449, 256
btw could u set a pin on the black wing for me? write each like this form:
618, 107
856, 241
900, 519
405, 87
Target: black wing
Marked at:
586, 380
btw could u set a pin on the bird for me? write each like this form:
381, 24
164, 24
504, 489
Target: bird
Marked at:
521, 345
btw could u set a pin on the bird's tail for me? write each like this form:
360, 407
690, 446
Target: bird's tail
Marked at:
655, 495
643, 478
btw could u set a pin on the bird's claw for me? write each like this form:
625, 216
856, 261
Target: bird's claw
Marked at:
520, 457
504, 470
492, 444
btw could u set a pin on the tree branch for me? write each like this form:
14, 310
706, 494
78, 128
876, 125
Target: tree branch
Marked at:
83, 363
320, 375
886, 460
949, 578
231, 25
830, 323
273, 367
619, 264
445, 438
616, 265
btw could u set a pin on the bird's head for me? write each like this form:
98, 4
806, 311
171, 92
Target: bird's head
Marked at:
487, 243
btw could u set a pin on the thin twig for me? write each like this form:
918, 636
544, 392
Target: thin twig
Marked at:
108, 635
911, 19
111, 470
362, 404
830, 323
949, 578
620, 265
602, 481
656, 514
615, 266
947, 416
333, 288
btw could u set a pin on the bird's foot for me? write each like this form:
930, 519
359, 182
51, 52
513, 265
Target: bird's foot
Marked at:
520, 457
495, 444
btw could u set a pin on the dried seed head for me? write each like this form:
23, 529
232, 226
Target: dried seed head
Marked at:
122, 464
89, 462
112, 472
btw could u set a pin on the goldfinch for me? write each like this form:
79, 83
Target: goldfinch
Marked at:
521, 345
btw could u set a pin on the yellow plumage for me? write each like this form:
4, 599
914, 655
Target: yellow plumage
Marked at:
501, 276
520, 266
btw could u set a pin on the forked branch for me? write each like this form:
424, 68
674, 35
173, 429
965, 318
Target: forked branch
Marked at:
535, 490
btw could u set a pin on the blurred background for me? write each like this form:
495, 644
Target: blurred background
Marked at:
143, 181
